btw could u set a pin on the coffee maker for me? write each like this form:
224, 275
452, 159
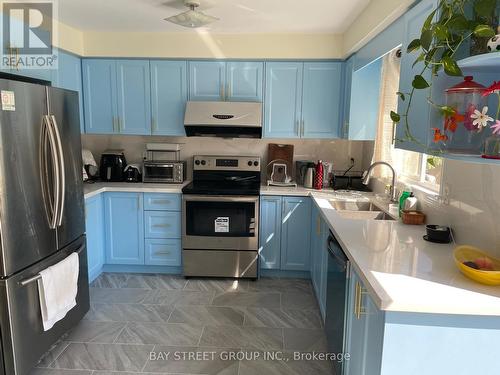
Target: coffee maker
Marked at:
112, 166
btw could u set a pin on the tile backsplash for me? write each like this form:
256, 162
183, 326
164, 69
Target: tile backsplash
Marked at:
337, 151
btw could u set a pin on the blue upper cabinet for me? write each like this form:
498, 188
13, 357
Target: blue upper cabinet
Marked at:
134, 97
321, 102
68, 76
419, 114
244, 81
207, 80
99, 92
168, 97
346, 112
124, 224
295, 234
270, 232
365, 101
283, 98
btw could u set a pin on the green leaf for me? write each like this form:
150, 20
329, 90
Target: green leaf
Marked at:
428, 21
426, 39
395, 117
419, 59
458, 23
414, 45
484, 31
441, 32
451, 67
401, 95
431, 162
485, 8
420, 83
447, 110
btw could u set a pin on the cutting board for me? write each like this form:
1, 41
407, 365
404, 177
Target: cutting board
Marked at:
280, 154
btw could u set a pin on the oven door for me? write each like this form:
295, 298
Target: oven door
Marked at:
220, 222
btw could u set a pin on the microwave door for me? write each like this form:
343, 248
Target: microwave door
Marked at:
25, 212
65, 120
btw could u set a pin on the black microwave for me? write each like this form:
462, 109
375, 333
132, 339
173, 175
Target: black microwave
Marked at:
169, 172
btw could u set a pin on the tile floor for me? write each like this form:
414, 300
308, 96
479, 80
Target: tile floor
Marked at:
135, 320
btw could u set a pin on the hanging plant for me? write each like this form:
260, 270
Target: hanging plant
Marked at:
443, 33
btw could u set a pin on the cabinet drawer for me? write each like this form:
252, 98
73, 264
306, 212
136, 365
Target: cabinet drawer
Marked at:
160, 252
162, 202
162, 224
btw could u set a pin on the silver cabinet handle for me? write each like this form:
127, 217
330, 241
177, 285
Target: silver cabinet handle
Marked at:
161, 225
160, 201
222, 93
115, 128
162, 252
120, 125
154, 127
62, 170
228, 91
302, 128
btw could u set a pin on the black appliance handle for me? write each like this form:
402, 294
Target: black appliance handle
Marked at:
333, 253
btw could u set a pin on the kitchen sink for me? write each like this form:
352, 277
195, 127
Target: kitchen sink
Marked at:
359, 210
353, 206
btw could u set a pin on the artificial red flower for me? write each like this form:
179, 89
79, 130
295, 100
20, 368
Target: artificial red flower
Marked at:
493, 89
451, 122
438, 136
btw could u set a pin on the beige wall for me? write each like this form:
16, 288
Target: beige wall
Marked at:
205, 45
376, 17
70, 39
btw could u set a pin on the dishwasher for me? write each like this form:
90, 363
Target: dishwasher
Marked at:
336, 299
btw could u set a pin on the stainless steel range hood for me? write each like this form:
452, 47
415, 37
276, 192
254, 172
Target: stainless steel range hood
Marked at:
223, 119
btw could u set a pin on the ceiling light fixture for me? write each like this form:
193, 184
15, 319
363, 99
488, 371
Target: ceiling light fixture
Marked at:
192, 18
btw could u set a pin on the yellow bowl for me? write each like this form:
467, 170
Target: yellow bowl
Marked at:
469, 253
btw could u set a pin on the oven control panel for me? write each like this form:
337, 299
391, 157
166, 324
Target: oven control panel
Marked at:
234, 163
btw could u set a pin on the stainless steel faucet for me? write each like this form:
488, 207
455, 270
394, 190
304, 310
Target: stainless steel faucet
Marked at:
366, 178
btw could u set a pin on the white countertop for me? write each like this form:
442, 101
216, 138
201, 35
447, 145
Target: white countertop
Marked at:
405, 273
91, 189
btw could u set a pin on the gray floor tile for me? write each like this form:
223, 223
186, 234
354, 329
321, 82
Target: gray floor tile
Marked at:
90, 356
242, 337
90, 331
298, 301
278, 318
110, 280
47, 371
121, 312
280, 285
161, 334
104, 295
305, 340
214, 364
245, 299
207, 315
178, 297
216, 285
53, 353
169, 282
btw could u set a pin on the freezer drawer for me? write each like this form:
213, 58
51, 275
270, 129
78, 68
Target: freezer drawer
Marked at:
23, 338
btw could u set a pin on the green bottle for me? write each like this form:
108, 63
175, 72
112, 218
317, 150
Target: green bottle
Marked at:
404, 196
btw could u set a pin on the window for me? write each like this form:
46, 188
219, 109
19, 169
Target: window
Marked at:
411, 166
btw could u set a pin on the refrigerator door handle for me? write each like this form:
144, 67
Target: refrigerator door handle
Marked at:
62, 176
48, 140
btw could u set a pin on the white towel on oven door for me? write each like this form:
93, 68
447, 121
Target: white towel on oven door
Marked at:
57, 289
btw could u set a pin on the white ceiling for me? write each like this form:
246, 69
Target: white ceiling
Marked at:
236, 16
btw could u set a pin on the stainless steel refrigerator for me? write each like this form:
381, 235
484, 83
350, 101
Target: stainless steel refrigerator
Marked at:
41, 214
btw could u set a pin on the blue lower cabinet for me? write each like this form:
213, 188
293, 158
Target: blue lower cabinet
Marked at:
163, 252
295, 234
364, 331
162, 224
270, 232
124, 224
95, 235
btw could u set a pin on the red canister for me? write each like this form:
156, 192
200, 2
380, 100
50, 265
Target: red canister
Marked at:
318, 176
